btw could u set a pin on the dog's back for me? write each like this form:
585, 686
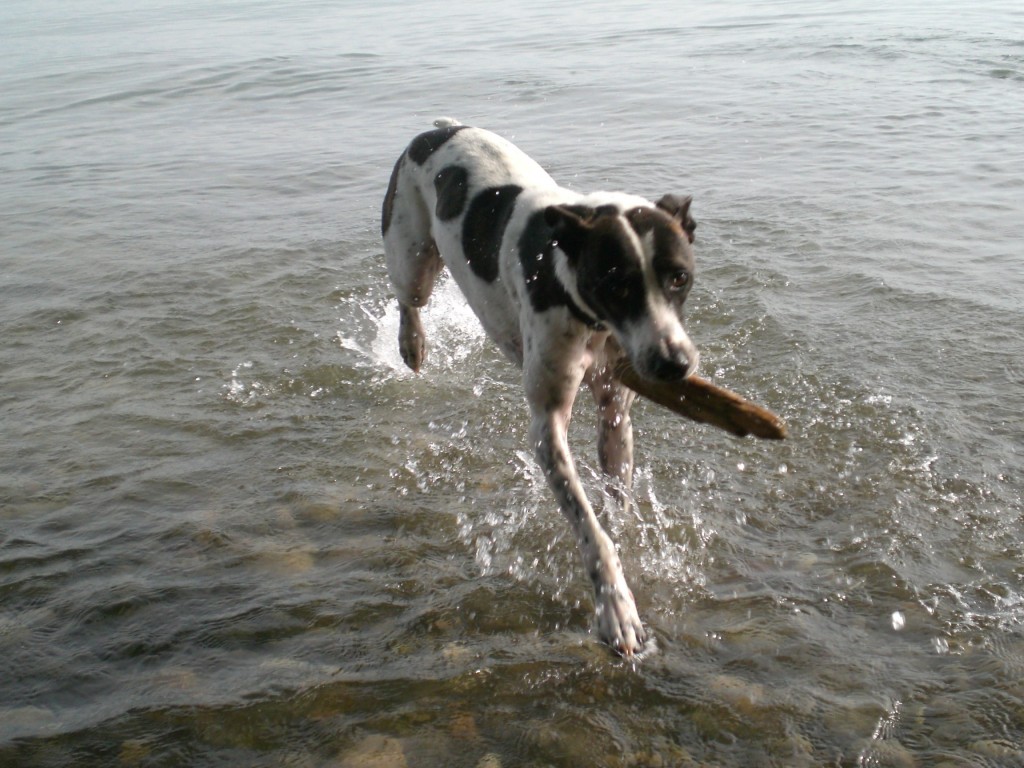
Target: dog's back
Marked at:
452, 195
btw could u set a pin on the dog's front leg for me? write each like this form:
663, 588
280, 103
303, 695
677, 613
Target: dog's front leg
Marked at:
614, 428
551, 398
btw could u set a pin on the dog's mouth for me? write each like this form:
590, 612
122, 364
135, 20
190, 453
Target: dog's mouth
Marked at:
666, 363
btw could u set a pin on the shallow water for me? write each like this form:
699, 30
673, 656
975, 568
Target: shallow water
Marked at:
234, 530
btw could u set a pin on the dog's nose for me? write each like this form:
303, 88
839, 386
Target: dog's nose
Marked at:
677, 364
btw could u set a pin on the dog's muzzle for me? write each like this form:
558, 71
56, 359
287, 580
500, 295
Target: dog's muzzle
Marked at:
674, 363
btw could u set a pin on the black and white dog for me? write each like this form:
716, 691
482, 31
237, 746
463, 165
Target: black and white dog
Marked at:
552, 275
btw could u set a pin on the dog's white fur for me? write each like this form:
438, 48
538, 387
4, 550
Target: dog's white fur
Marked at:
606, 264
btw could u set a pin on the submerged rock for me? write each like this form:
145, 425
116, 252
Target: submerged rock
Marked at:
374, 751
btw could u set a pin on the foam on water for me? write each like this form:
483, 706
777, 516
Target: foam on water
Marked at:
453, 331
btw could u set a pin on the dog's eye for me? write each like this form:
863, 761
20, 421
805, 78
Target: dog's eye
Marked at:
679, 280
620, 291
615, 286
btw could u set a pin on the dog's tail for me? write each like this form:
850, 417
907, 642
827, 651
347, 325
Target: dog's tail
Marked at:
446, 122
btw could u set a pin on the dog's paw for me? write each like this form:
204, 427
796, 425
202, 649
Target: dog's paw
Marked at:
618, 622
412, 343
413, 351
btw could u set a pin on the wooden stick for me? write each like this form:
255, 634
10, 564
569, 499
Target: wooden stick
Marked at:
700, 400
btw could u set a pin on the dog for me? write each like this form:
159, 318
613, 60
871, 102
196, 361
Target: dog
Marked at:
554, 276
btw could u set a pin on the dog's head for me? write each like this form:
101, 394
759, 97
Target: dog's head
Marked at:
632, 268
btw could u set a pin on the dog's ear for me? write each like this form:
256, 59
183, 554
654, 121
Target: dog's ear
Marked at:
679, 209
570, 225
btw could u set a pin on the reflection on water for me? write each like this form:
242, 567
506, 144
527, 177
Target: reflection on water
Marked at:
235, 530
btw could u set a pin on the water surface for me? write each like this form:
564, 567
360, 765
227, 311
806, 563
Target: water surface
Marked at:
234, 530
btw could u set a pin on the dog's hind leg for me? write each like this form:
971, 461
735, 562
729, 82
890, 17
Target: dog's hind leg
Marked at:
413, 285
412, 259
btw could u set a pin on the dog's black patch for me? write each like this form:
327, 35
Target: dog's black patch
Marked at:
536, 255
484, 227
389, 198
426, 144
452, 186
610, 278
538, 261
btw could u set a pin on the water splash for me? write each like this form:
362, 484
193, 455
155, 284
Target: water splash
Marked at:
453, 331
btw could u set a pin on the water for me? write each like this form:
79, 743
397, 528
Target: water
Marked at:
235, 531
